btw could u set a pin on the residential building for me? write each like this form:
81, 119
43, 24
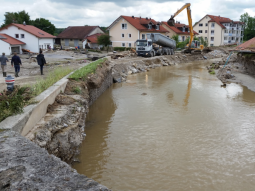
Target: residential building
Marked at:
33, 38
92, 40
74, 36
219, 30
126, 30
179, 29
9, 45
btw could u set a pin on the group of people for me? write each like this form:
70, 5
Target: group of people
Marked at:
16, 62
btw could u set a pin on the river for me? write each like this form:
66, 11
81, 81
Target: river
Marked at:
172, 128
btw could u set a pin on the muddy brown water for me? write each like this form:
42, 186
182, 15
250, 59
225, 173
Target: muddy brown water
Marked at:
187, 133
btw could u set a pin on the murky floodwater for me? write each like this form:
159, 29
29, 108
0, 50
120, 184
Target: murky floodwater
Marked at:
187, 133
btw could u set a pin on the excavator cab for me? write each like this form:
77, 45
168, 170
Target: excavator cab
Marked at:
171, 22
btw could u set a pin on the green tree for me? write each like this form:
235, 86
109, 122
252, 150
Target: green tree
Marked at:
176, 38
249, 26
104, 40
16, 17
203, 41
44, 25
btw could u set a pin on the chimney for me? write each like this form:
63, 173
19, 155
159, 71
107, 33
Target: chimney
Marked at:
133, 17
24, 23
146, 18
140, 17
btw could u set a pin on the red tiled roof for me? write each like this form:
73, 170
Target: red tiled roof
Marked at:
248, 45
32, 30
139, 23
10, 40
93, 38
219, 20
176, 30
76, 32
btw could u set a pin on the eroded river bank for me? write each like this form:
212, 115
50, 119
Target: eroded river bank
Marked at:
172, 128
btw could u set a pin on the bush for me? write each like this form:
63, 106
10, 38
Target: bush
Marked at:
14, 103
86, 70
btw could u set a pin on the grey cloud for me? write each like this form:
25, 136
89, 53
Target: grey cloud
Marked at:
126, 3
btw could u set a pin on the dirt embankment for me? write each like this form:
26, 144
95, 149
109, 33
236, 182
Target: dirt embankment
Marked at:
61, 131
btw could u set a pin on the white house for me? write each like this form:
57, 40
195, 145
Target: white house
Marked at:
8, 44
33, 37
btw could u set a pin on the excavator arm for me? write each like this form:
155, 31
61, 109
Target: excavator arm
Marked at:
171, 21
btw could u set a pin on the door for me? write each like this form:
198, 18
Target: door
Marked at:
66, 42
76, 43
15, 49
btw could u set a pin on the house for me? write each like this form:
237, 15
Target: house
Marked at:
77, 35
220, 30
9, 45
92, 40
32, 37
179, 29
126, 30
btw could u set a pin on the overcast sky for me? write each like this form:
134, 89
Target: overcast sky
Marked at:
64, 13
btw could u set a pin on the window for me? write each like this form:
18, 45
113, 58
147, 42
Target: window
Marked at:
122, 35
201, 24
205, 31
206, 24
183, 38
129, 35
199, 38
226, 31
233, 38
183, 29
212, 38
71, 39
22, 36
205, 38
212, 31
157, 27
225, 38
17, 35
149, 26
123, 44
143, 36
129, 44
212, 25
200, 31
124, 26
211, 44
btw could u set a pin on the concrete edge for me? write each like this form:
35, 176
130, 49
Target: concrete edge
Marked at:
23, 123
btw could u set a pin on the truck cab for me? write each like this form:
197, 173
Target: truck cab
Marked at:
144, 47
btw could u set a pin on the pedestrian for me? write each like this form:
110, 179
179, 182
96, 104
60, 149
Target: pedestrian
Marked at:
17, 63
3, 60
41, 61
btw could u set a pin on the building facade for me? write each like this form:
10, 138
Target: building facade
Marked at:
219, 30
9, 45
33, 38
74, 36
126, 30
179, 29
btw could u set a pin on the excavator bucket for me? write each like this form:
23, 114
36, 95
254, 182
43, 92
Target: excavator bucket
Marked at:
171, 22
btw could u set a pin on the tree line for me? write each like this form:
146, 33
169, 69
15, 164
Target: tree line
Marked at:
21, 17
249, 26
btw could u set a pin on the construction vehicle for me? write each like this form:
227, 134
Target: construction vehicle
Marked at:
194, 45
155, 44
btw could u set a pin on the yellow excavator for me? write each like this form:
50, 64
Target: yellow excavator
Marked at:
194, 46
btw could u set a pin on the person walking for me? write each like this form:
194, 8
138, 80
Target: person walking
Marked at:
41, 61
3, 60
17, 63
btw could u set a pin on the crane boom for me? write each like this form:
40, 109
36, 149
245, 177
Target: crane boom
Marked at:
171, 20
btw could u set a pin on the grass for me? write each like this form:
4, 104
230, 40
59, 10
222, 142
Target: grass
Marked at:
212, 72
86, 70
76, 90
54, 76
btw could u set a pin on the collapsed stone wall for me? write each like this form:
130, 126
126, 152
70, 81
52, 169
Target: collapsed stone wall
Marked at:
248, 62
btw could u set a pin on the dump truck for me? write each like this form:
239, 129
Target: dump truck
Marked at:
155, 44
